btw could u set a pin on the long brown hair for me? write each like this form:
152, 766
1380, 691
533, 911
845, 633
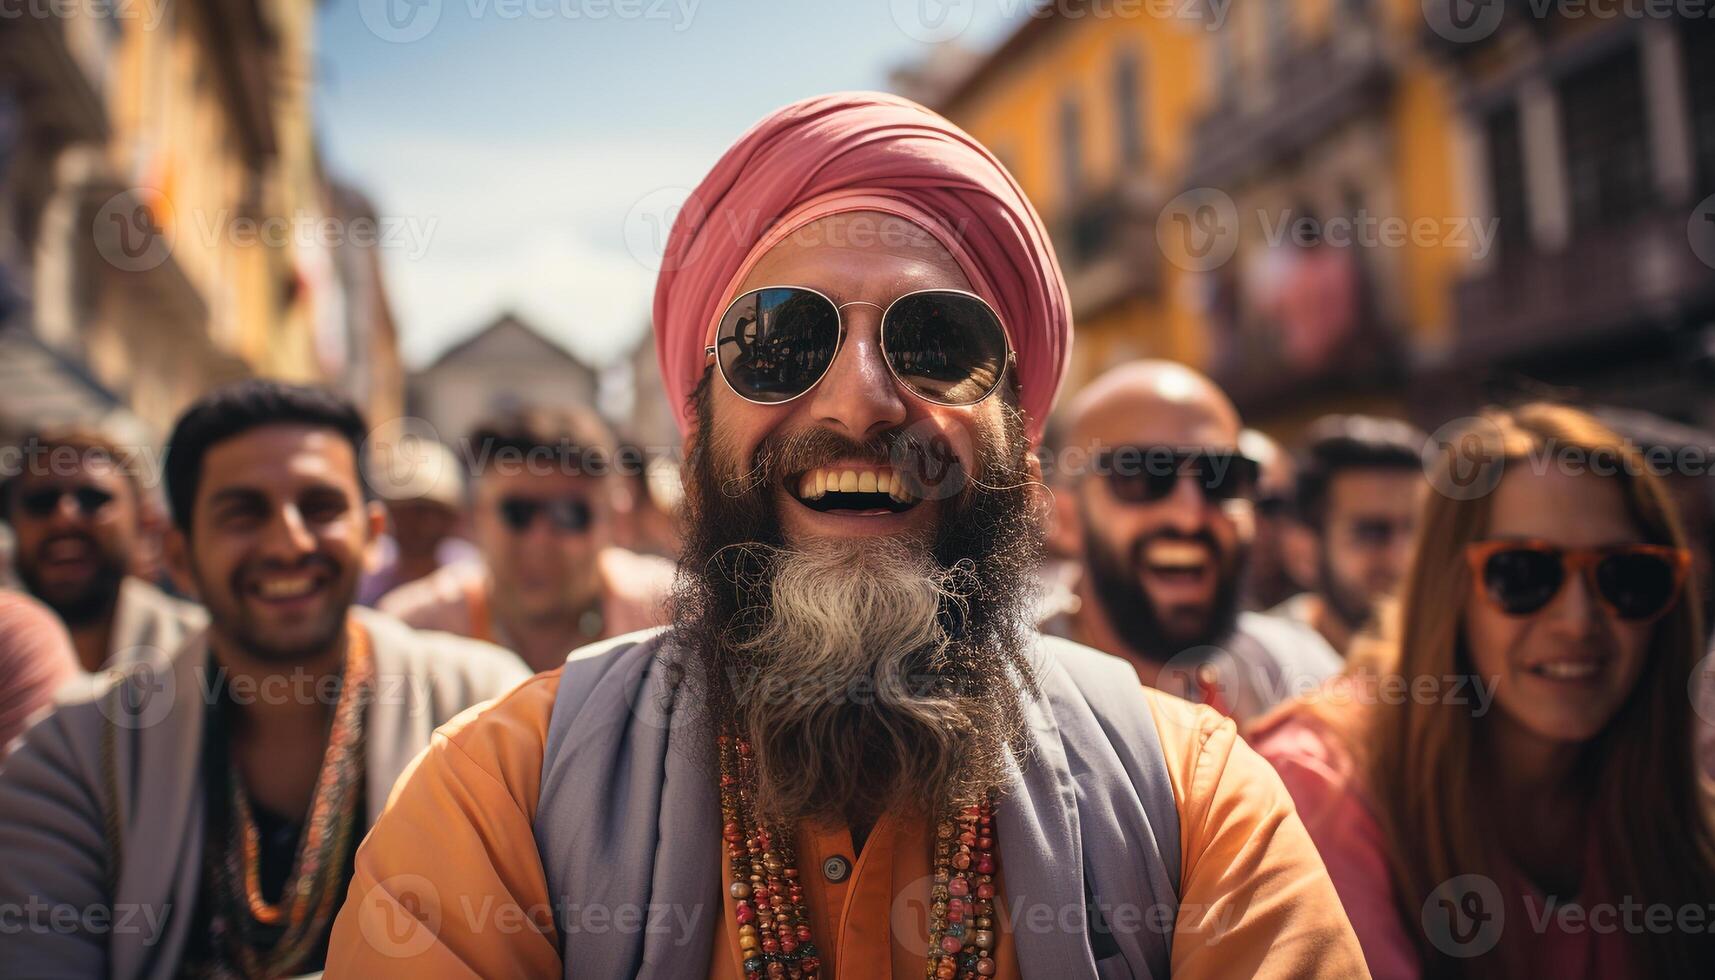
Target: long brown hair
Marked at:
1651, 809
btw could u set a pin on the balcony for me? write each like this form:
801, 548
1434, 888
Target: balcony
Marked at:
1604, 284
1310, 94
1106, 245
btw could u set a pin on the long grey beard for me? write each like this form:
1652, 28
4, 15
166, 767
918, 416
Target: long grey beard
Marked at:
854, 681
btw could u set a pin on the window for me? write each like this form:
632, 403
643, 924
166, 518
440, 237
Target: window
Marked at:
1128, 107
1508, 197
1606, 142
1071, 149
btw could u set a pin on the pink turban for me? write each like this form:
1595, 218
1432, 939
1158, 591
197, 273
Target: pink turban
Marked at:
865, 151
36, 660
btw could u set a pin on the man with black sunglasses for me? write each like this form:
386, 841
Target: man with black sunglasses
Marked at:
1360, 486
78, 513
1163, 501
543, 502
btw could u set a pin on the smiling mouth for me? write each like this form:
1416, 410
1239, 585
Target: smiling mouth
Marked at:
1176, 561
833, 489
1568, 670
288, 588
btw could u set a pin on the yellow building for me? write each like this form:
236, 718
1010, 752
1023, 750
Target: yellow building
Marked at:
167, 204
1202, 166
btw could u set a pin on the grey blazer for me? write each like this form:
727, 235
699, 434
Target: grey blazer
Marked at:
61, 802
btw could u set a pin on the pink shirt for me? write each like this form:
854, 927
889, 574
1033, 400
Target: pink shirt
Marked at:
1541, 936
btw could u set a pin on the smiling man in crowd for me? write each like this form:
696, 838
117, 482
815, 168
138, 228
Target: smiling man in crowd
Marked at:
550, 579
1165, 510
851, 754
176, 799
1360, 486
77, 512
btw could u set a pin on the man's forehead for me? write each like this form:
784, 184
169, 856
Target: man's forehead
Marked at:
1148, 421
274, 452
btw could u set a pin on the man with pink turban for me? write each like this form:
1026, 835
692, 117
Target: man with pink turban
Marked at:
850, 755
36, 660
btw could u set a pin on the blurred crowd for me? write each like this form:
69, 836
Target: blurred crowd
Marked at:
1333, 596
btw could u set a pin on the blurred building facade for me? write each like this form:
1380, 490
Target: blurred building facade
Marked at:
1592, 141
163, 197
502, 367
1327, 206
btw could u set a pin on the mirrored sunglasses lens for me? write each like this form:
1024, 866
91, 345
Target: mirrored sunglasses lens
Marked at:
946, 347
774, 344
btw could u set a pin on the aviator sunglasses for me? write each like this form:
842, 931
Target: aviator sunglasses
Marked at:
1635, 582
1147, 474
945, 346
43, 501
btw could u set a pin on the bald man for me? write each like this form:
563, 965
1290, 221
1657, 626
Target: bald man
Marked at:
1162, 498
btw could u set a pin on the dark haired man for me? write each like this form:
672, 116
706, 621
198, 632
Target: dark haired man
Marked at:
850, 755
77, 512
1360, 487
206, 807
542, 514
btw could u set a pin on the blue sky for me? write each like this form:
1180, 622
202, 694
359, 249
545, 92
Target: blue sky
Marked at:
526, 151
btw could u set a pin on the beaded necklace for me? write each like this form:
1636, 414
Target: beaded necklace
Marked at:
774, 924
243, 917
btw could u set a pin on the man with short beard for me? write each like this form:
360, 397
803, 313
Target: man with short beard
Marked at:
1360, 486
202, 808
850, 755
76, 511
1163, 501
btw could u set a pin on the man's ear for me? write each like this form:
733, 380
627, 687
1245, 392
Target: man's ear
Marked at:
1065, 529
176, 555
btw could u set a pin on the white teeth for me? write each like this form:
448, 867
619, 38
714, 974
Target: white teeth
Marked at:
884, 483
284, 588
848, 482
807, 487
1176, 553
866, 482
1570, 670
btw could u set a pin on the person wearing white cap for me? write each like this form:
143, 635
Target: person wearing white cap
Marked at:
422, 485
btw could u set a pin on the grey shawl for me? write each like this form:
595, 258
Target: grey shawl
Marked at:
1089, 830
61, 802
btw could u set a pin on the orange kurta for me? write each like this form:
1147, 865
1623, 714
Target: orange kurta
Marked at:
449, 882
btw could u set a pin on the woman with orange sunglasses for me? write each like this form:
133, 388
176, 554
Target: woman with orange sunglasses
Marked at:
1503, 782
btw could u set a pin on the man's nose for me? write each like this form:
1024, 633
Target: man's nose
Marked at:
288, 535
1185, 508
858, 396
